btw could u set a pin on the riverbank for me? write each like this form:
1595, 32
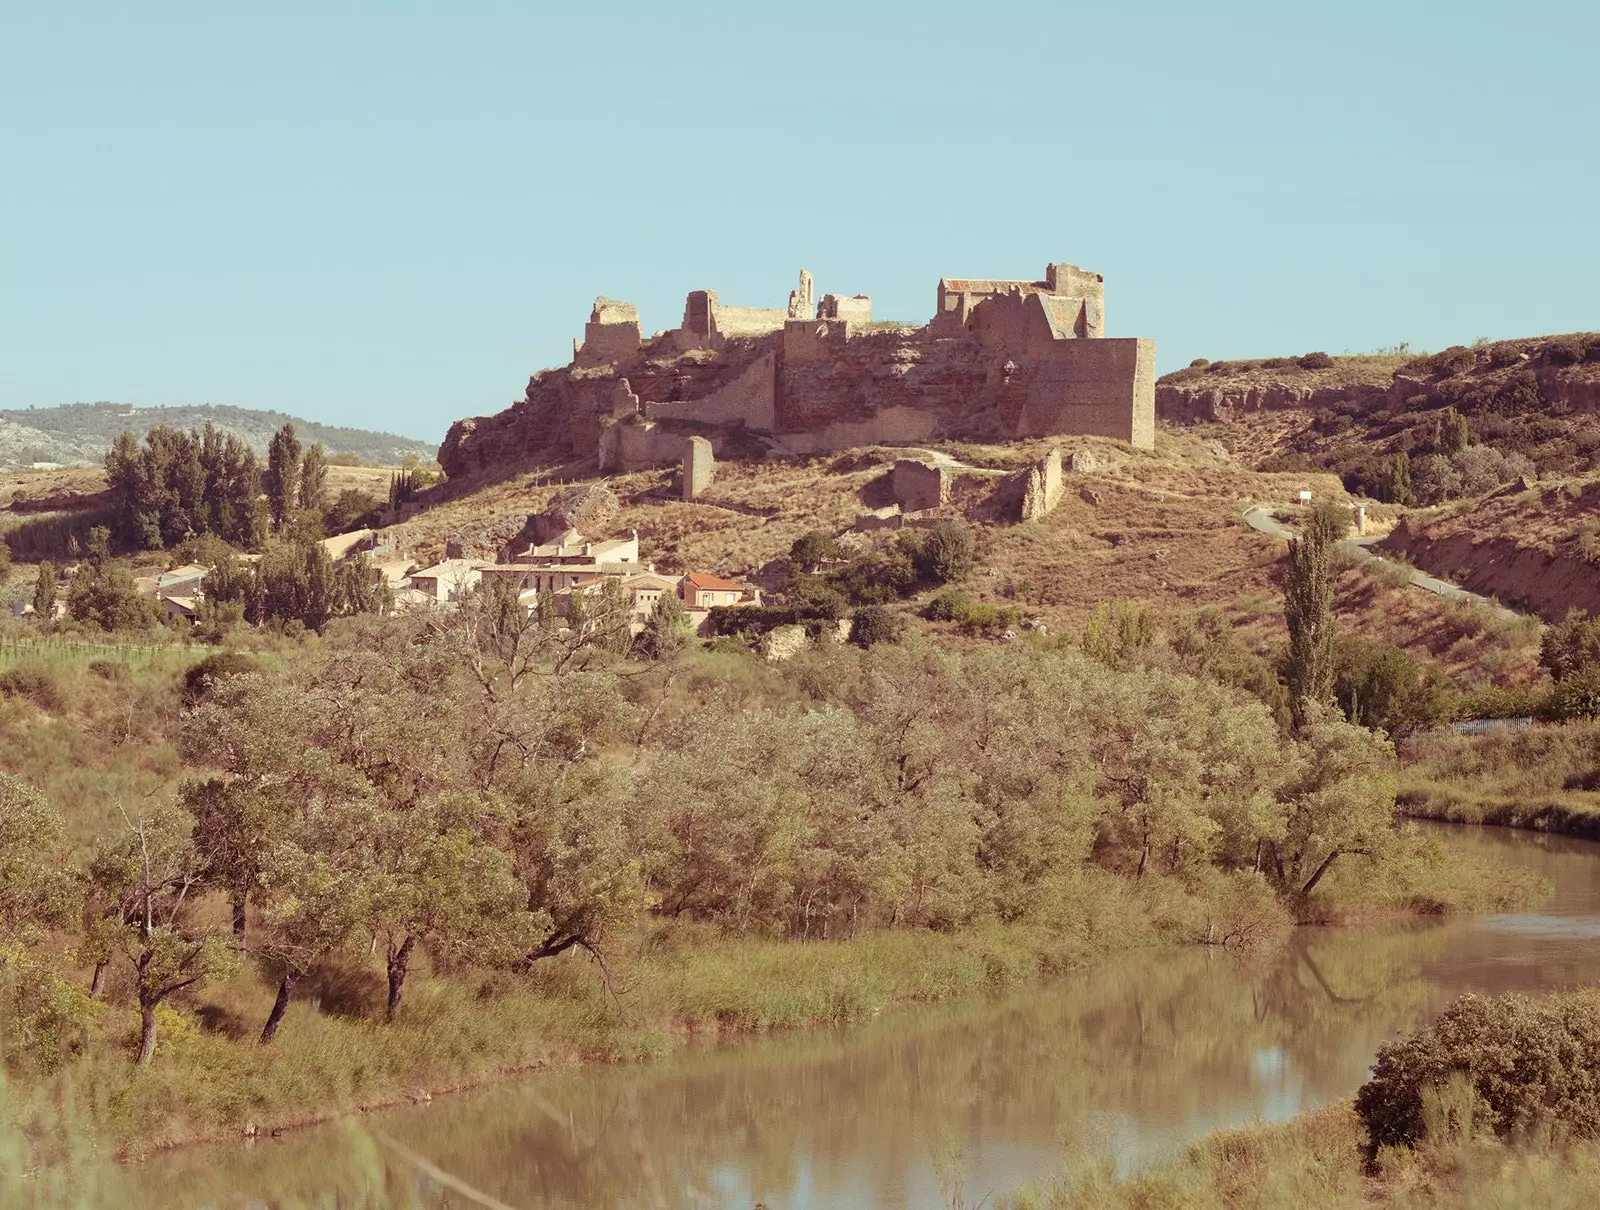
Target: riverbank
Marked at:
670, 985
1543, 779
1317, 1159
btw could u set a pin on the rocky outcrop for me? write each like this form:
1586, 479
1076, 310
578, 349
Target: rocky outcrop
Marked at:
1570, 388
1205, 405
588, 508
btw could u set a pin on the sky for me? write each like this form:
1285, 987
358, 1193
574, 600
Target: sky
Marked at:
390, 215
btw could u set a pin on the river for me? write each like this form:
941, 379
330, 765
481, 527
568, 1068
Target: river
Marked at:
1124, 1064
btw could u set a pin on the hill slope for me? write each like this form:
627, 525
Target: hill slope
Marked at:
79, 434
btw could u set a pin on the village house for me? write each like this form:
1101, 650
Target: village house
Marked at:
448, 580
702, 590
643, 591
571, 549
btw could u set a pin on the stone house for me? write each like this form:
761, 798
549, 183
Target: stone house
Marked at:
702, 590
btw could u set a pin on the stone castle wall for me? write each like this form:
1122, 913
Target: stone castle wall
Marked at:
1008, 359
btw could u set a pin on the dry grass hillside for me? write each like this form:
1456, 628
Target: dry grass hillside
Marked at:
1163, 528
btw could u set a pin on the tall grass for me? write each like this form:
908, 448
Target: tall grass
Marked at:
1316, 1160
1545, 778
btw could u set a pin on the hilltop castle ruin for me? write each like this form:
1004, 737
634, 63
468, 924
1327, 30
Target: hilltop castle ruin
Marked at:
999, 360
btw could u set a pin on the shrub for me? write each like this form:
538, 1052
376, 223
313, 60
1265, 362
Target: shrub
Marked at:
944, 553
812, 547
1566, 350
874, 624
1199, 363
36, 683
982, 618
947, 605
1276, 363
1457, 359
812, 597
1576, 695
1218, 367
202, 679
1316, 361
1530, 1062
110, 670
1502, 356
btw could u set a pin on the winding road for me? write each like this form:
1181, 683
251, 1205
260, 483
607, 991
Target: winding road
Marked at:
1260, 518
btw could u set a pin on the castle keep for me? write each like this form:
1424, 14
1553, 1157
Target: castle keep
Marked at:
998, 360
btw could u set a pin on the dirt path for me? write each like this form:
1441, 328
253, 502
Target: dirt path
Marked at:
1261, 519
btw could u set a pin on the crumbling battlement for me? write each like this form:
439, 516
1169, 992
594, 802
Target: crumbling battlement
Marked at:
1000, 359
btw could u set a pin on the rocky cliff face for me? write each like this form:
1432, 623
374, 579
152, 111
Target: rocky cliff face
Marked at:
1552, 374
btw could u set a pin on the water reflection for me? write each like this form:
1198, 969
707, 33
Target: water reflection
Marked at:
1132, 1060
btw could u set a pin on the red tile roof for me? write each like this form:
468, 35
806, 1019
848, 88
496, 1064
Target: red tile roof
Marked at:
705, 580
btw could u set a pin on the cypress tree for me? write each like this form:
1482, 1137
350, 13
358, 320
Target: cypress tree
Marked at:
1308, 610
1400, 482
314, 478
282, 480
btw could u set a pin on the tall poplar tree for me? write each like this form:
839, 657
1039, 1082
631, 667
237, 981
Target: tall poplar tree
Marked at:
282, 480
314, 478
1308, 610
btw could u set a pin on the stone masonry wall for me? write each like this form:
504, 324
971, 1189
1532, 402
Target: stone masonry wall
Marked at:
918, 485
699, 467
1100, 388
1042, 491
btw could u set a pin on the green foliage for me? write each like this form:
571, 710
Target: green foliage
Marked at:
1570, 645
667, 630
815, 597
37, 886
313, 487
1451, 436
352, 509
44, 592
873, 624
54, 535
200, 681
102, 593
296, 580
281, 481
1316, 361
813, 547
943, 553
1400, 491
179, 484
1382, 686
1530, 1063
1118, 633
404, 486
947, 605
1308, 610
1576, 695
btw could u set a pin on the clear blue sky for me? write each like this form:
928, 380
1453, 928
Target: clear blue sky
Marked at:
389, 215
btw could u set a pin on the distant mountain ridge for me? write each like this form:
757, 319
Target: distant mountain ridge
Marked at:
79, 434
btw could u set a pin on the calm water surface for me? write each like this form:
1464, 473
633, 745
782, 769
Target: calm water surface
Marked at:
1129, 1061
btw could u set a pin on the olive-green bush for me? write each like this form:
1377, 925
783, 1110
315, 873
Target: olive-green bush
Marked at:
1532, 1062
